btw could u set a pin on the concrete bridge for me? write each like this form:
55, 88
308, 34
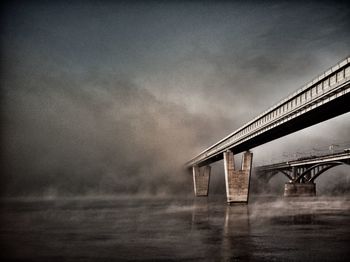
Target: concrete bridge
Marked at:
325, 97
302, 172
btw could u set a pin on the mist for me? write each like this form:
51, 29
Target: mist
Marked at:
113, 98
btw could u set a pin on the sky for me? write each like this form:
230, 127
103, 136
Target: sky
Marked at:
113, 97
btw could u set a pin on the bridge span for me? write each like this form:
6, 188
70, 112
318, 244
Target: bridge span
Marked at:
325, 97
302, 172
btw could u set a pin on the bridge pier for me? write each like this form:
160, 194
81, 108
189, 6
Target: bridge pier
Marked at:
292, 189
201, 180
237, 181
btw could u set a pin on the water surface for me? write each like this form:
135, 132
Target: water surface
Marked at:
184, 229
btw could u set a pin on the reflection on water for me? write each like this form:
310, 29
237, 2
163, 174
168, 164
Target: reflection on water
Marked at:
235, 244
200, 214
200, 229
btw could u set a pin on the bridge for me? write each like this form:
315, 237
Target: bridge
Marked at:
303, 171
323, 98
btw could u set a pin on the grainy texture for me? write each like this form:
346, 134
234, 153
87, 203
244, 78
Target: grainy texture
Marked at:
201, 180
237, 181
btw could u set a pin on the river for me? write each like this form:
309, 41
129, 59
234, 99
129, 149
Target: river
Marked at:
175, 229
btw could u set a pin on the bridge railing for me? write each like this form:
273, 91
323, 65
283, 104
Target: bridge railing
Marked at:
304, 97
305, 160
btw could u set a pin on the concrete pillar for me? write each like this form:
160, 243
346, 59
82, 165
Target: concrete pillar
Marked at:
237, 181
299, 189
201, 180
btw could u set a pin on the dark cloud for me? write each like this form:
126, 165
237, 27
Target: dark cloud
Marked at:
103, 97
96, 137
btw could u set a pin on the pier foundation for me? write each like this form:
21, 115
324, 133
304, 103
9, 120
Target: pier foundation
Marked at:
299, 189
201, 180
237, 181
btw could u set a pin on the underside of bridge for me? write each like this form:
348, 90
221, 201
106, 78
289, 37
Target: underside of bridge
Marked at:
323, 98
331, 109
237, 181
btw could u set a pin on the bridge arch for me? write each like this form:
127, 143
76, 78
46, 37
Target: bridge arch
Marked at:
309, 174
271, 174
334, 181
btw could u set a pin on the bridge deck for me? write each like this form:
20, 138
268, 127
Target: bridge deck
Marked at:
324, 97
306, 161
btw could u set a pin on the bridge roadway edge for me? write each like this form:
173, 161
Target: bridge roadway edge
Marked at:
329, 110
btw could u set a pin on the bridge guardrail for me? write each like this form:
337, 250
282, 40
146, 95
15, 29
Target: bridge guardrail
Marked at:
319, 88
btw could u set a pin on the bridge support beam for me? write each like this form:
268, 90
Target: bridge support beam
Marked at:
237, 181
201, 180
299, 189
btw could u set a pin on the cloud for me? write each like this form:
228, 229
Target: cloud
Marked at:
97, 137
114, 98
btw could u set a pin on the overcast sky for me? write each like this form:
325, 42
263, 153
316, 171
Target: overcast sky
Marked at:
113, 97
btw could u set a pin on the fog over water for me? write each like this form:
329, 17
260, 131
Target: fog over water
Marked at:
102, 103
175, 229
101, 98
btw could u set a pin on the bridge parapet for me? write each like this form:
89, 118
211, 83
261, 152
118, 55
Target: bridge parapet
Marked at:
332, 84
304, 170
324, 97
